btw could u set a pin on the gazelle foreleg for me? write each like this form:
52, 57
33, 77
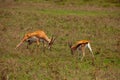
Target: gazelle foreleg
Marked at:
44, 45
29, 42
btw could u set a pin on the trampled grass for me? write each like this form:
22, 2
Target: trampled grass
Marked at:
101, 27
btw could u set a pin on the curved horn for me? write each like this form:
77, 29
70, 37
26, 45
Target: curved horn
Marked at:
53, 39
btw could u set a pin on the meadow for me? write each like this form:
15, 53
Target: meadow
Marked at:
70, 21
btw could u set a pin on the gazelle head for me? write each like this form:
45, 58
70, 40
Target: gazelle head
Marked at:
52, 40
71, 48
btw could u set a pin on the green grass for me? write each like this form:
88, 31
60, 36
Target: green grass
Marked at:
100, 25
59, 11
76, 13
104, 3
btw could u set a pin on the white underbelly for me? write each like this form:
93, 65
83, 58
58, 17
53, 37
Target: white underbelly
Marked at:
34, 39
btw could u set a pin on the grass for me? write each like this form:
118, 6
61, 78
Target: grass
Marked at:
100, 25
59, 11
105, 3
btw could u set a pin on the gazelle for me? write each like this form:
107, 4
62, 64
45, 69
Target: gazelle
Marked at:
36, 37
81, 45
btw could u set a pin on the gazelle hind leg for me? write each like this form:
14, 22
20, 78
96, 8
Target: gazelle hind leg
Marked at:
89, 47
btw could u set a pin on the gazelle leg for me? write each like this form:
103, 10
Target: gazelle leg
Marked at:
83, 52
38, 43
80, 52
31, 50
89, 47
27, 46
29, 43
83, 56
44, 46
